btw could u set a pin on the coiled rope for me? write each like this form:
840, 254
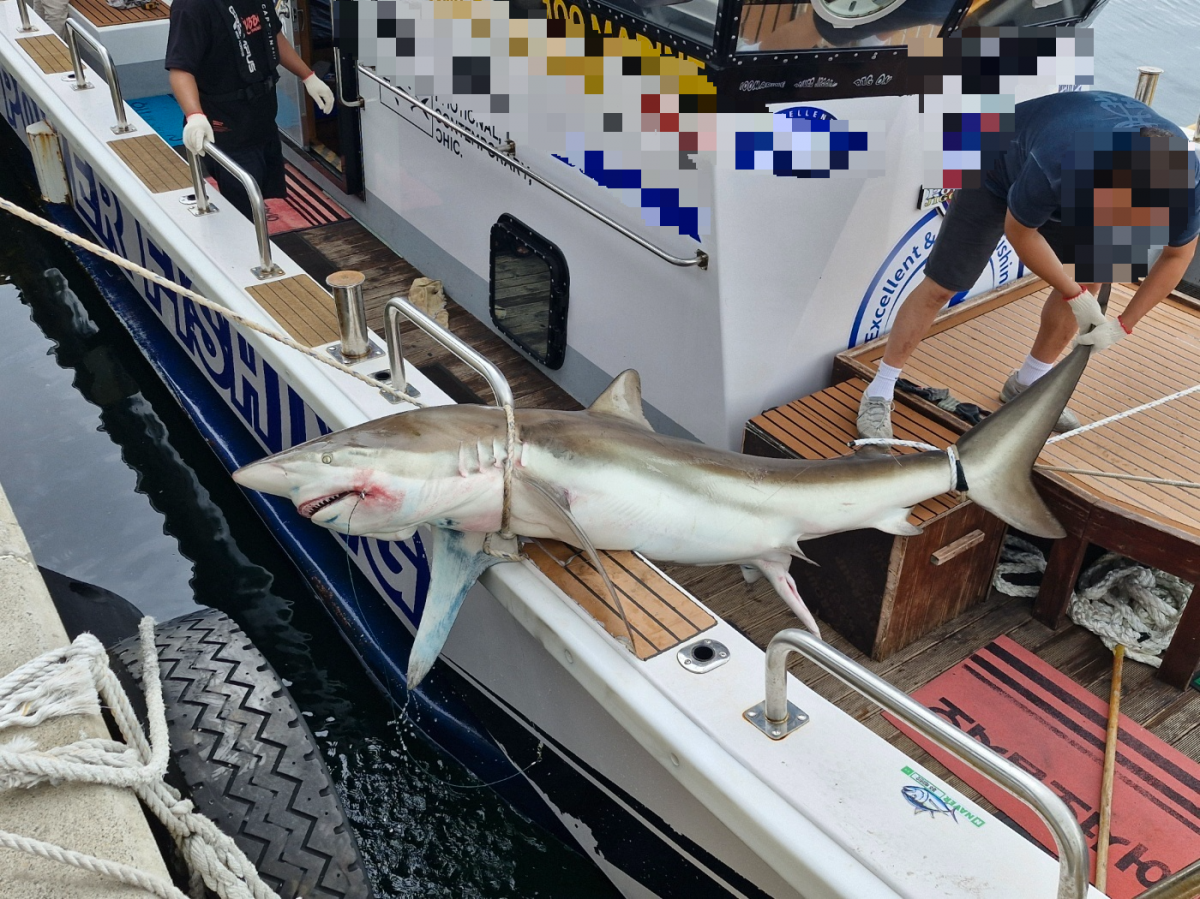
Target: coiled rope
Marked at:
507, 552
66, 682
1117, 599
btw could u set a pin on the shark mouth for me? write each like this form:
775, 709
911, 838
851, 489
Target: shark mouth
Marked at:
313, 506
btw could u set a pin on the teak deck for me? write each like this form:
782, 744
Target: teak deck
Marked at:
972, 351
100, 13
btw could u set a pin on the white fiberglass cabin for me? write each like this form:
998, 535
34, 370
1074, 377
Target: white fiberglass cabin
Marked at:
740, 189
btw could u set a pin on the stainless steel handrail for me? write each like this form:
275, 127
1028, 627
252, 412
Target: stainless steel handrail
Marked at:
23, 12
1183, 884
266, 267
397, 307
337, 77
1072, 847
700, 260
74, 32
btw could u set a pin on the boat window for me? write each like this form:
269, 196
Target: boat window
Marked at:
993, 13
529, 289
767, 25
695, 20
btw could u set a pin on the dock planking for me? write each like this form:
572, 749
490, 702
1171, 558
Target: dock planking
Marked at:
754, 609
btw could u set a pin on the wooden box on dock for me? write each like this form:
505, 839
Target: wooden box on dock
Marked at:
879, 591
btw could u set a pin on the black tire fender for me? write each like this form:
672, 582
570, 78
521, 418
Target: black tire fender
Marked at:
243, 753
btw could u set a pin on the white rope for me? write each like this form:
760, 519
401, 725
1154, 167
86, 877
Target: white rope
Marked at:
65, 682
1117, 599
951, 453
199, 300
1143, 479
1091, 426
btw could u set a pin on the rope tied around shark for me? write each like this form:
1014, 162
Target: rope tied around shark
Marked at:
958, 477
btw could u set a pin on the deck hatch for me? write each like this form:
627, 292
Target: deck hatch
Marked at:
529, 288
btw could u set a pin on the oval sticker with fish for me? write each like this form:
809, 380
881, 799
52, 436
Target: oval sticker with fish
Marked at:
923, 800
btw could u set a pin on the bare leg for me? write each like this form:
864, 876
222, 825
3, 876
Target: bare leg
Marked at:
914, 319
1057, 329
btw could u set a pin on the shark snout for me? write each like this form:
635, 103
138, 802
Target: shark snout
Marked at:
265, 476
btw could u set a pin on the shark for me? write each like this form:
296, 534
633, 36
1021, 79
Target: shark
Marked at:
602, 478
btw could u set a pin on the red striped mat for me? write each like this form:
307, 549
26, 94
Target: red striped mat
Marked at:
1011, 701
305, 206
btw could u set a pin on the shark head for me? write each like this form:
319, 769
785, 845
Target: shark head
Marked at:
380, 479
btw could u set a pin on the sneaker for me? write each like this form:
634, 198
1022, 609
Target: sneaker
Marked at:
1068, 421
874, 418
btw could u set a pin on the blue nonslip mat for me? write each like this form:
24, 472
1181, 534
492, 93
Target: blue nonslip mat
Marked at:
163, 115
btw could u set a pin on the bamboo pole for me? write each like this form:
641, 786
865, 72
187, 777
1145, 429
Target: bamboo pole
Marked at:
1106, 779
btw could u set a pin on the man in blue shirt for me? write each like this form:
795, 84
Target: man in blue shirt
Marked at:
1082, 187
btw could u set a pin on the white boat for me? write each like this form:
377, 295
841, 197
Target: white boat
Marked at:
719, 204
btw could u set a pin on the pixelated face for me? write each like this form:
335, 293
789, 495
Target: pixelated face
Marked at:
1113, 206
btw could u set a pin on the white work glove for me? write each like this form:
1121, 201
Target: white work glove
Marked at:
1104, 336
320, 92
196, 131
1087, 310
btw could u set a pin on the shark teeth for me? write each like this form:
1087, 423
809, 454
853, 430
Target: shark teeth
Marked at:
313, 506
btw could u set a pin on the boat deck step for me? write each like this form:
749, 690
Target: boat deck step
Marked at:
301, 306
48, 51
101, 14
660, 615
154, 162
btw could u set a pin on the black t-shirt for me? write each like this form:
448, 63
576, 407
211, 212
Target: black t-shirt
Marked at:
230, 62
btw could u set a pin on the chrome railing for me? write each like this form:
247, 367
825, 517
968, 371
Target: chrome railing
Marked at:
700, 260
23, 12
1072, 847
266, 268
337, 77
1183, 884
397, 307
74, 33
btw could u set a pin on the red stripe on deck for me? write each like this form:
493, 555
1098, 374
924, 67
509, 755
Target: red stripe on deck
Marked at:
1010, 700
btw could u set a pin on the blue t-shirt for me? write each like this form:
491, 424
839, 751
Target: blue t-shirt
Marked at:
1029, 172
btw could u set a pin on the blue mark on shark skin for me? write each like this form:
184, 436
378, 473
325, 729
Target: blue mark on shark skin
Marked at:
923, 800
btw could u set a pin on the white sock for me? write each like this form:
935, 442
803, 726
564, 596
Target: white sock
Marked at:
884, 383
1032, 370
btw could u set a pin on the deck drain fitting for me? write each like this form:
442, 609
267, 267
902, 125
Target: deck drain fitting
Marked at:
703, 656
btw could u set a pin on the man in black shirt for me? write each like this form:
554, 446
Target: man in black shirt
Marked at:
223, 56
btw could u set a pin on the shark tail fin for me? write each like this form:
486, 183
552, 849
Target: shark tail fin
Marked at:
998, 455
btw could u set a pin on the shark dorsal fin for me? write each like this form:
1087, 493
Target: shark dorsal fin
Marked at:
623, 399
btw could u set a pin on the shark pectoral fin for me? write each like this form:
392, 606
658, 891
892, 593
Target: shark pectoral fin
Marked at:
556, 503
897, 523
458, 560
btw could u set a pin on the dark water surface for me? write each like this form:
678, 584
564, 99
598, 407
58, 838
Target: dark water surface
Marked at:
113, 486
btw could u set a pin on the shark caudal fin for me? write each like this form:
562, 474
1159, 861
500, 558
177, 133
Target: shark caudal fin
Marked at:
458, 560
997, 455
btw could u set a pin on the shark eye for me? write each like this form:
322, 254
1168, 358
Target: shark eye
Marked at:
327, 459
